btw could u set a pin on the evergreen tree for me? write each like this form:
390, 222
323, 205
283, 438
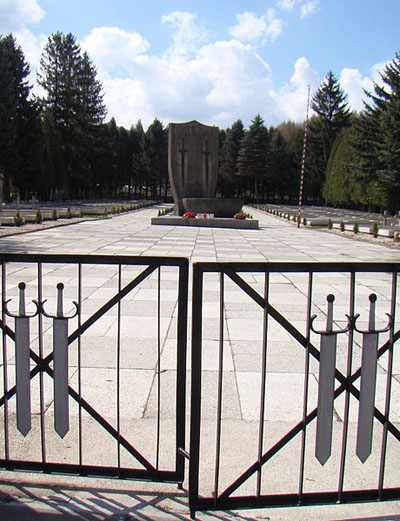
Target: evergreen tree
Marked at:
19, 120
137, 136
229, 157
278, 179
156, 158
125, 152
377, 140
329, 104
293, 135
253, 154
74, 101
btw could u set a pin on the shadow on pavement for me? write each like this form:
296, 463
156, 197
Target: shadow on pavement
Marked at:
38, 502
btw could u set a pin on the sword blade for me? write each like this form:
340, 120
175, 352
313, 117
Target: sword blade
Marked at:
326, 388
61, 406
367, 395
22, 376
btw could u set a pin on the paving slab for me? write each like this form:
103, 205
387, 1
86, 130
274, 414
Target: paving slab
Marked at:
109, 354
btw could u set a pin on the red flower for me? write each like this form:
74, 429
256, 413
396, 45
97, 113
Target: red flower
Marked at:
189, 215
239, 215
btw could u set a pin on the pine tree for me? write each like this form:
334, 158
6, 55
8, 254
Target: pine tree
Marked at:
137, 137
293, 134
377, 141
19, 120
329, 104
74, 101
278, 182
253, 154
229, 157
156, 158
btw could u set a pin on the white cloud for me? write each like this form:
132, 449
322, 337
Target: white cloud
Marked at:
15, 14
209, 86
377, 69
113, 50
309, 8
353, 84
288, 5
292, 97
250, 27
215, 82
188, 36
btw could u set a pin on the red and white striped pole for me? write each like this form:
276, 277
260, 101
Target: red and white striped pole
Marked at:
303, 161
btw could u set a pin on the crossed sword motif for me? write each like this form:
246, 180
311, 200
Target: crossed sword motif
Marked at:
326, 384
22, 361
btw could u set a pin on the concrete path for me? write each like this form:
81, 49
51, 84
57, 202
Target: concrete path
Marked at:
132, 234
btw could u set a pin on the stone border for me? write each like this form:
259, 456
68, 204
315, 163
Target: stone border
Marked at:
211, 222
8, 231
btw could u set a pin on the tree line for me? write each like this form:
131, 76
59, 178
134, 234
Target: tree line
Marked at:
58, 146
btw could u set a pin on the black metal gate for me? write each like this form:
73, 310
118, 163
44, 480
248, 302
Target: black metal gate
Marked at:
328, 458
71, 331
69, 373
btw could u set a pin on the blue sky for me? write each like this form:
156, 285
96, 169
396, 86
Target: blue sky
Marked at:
215, 61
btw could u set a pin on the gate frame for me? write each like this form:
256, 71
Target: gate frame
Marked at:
225, 500
152, 263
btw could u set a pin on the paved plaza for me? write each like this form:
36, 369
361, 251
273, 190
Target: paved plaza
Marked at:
132, 234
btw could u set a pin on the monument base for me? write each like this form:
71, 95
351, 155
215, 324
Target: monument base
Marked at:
215, 205
212, 222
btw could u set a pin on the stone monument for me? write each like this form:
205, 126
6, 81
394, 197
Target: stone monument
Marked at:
193, 170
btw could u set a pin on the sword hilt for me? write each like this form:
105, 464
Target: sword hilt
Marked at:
21, 308
371, 319
329, 320
60, 310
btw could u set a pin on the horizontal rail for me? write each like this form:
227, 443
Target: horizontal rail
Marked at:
56, 258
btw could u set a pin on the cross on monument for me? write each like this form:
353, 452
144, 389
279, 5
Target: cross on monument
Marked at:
207, 155
183, 151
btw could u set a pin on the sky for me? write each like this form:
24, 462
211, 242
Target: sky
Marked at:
215, 61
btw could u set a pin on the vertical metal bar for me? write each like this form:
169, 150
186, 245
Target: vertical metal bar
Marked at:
263, 384
41, 375
119, 371
347, 396
220, 384
306, 386
183, 287
195, 413
80, 430
5, 365
158, 367
388, 388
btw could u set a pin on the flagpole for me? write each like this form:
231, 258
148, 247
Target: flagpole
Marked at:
303, 161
